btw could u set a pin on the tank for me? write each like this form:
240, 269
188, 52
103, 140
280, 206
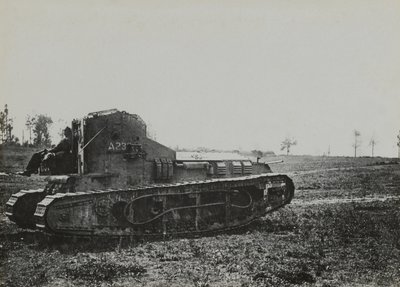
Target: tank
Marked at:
125, 184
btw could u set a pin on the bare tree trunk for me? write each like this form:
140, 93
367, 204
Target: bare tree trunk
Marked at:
373, 149
398, 143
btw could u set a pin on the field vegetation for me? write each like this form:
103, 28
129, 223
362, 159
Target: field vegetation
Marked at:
342, 229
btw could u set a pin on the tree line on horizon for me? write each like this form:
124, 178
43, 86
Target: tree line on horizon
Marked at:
39, 135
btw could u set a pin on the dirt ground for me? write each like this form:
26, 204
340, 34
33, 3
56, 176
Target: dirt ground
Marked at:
342, 229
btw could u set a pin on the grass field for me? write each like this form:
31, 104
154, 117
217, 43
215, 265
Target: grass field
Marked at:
15, 158
342, 229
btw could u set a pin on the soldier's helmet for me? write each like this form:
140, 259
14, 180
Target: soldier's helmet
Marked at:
67, 132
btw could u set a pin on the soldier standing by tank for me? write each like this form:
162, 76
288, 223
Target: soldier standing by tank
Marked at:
57, 153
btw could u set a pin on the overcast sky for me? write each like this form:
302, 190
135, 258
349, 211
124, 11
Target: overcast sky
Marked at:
220, 74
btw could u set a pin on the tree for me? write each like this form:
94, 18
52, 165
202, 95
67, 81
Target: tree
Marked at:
30, 123
6, 127
372, 144
398, 143
287, 144
3, 125
356, 143
41, 133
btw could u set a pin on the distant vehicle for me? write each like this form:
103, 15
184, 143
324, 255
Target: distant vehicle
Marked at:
125, 184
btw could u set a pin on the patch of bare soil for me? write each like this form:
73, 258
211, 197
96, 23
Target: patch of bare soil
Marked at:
343, 229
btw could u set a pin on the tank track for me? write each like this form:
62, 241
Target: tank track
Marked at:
21, 207
178, 209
